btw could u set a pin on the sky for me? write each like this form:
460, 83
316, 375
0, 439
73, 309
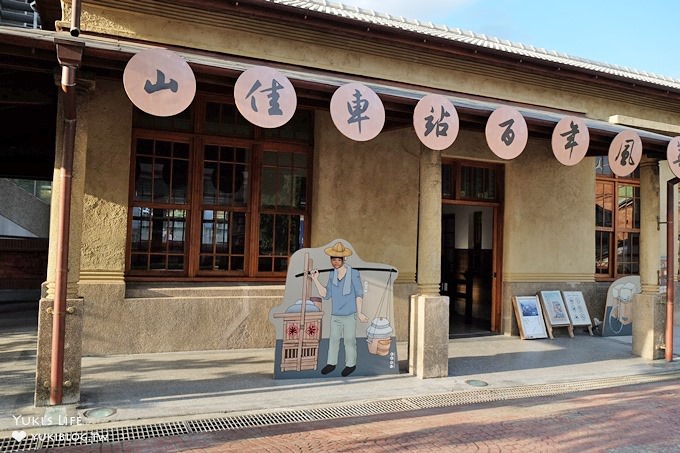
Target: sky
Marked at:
637, 34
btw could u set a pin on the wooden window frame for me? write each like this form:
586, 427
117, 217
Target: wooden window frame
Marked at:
615, 229
256, 146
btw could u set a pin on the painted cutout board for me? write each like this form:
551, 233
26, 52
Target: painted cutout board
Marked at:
529, 317
345, 325
618, 311
577, 309
555, 312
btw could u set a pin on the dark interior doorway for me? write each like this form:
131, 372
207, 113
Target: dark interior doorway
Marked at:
467, 268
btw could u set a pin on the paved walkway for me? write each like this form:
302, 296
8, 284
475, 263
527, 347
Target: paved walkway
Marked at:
629, 419
161, 389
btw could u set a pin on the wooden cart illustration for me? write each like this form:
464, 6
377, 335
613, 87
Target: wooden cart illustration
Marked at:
301, 329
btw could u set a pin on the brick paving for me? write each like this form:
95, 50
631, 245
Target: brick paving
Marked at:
627, 419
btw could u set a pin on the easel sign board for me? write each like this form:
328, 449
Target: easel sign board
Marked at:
555, 311
529, 317
347, 321
576, 306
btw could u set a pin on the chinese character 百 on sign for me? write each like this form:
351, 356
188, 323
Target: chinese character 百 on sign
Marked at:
357, 112
265, 97
435, 121
159, 82
506, 133
570, 140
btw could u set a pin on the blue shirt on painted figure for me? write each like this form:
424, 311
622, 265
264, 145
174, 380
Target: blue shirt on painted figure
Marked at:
343, 293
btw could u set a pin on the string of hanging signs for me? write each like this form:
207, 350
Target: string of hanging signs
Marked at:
161, 83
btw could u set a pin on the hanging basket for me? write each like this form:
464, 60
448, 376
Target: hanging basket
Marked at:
379, 336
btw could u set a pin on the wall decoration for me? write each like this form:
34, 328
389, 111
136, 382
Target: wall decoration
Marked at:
577, 309
673, 155
506, 133
159, 82
555, 312
570, 140
344, 327
625, 153
265, 97
435, 121
357, 112
618, 311
529, 317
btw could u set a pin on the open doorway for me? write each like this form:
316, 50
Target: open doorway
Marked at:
471, 261
467, 271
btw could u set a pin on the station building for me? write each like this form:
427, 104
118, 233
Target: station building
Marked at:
179, 228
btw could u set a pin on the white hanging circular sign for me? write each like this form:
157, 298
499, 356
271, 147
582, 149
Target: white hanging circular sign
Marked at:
570, 140
357, 112
625, 153
506, 133
265, 97
435, 121
159, 82
673, 155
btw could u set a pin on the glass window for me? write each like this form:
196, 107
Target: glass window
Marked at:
470, 181
617, 223
246, 212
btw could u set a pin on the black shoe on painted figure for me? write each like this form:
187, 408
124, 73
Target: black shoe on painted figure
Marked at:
347, 371
327, 369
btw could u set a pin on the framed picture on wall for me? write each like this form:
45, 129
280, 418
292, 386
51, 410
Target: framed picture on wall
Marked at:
529, 317
555, 311
577, 309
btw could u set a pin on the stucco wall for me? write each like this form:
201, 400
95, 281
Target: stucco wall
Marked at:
365, 56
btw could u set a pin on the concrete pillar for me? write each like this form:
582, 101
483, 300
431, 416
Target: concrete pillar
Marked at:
429, 335
74, 304
649, 307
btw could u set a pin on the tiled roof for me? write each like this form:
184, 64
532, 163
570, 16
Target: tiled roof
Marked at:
457, 35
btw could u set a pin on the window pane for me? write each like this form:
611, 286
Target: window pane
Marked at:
477, 183
180, 122
628, 215
604, 204
627, 253
284, 182
155, 235
225, 119
225, 176
602, 166
280, 237
447, 181
602, 264
161, 171
222, 239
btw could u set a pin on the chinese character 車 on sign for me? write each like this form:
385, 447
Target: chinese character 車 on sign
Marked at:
357, 112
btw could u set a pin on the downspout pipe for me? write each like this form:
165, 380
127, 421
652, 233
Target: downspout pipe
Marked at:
670, 266
69, 54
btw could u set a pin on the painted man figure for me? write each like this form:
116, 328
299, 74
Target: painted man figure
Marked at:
346, 293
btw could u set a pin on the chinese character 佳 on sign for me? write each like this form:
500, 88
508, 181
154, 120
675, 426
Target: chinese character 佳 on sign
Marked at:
570, 140
265, 97
159, 82
436, 122
357, 112
506, 133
